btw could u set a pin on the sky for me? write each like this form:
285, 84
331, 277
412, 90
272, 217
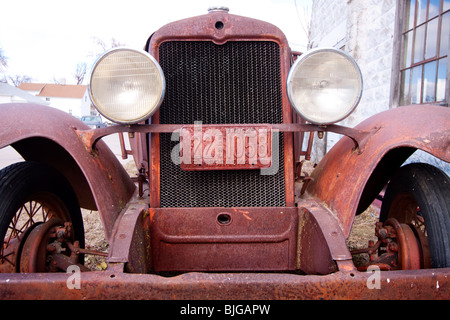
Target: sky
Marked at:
46, 39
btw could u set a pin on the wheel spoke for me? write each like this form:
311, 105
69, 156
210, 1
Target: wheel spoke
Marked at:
46, 214
35, 209
28, 211
4, 258
28, 214
17, 217
45, 196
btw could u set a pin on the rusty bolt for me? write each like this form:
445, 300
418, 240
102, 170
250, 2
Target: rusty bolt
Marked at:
392, 246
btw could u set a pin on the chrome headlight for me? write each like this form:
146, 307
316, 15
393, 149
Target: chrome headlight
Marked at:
324, 85
126, 85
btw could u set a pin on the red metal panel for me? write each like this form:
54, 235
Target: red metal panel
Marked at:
321, 241
207, 239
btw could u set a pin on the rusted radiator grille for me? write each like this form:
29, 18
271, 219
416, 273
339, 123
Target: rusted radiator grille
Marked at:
238, 82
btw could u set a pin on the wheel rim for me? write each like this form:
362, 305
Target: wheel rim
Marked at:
32, 213
404, 216
409, 252
404, 208
33, 256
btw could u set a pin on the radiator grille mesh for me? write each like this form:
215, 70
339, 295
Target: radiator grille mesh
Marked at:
238, 82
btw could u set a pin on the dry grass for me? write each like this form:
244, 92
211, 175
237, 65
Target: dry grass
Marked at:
94, 232
362, 231
95, 240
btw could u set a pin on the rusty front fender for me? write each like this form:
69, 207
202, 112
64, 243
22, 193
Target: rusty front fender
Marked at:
347, 180
47, 135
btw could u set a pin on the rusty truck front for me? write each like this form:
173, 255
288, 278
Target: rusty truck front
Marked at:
216, 108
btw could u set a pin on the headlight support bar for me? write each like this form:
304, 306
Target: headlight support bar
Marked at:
359, 137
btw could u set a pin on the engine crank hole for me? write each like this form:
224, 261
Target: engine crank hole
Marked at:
224, 219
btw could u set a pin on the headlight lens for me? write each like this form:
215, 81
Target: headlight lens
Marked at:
126, 86
324, 85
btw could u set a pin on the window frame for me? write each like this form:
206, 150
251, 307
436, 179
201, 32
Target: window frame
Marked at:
398, 63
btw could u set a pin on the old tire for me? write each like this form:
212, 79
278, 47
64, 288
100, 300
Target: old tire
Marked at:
25, 186
421, 192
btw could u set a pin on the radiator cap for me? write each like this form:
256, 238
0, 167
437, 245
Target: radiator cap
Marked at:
218, 8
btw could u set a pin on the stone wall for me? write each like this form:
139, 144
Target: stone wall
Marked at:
364, 29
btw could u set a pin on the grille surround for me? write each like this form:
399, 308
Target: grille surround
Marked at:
236, 82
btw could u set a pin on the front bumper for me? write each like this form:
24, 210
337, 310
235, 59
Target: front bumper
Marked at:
348, 283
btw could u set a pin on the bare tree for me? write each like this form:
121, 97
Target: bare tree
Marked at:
100, 46
18, 79
304, 18
15, 80
114, 43
3, 65
3, 59
61, 81
80, 72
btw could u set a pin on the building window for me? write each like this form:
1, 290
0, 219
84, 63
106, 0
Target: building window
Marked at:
424, 54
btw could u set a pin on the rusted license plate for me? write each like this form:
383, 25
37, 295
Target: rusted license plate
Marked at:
210, 147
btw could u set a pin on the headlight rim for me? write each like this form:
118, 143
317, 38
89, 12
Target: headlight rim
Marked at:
145, 54
294, 68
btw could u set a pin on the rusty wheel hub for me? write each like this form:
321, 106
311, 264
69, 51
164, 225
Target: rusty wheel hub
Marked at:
400, 246
48, 248
405, 243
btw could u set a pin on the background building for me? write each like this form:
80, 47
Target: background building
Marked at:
11, 94
402, 50
73, 99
